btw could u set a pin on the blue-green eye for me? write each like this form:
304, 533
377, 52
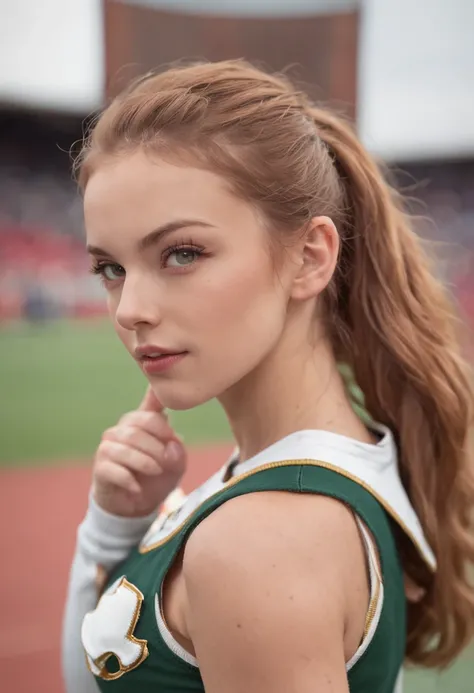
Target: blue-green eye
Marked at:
109, 271
182, 257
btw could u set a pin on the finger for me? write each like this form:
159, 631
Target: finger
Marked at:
115, 475
150, 402
134, 460
137, 438
151, 422
174, 458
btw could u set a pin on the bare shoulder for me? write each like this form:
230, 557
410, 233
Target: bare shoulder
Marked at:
266, 579
263, 525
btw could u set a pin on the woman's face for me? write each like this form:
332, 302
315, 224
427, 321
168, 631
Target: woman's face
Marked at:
191, 284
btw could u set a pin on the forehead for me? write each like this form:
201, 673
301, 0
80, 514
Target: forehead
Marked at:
135, 191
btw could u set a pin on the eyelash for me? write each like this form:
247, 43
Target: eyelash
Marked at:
99, 266
182, 246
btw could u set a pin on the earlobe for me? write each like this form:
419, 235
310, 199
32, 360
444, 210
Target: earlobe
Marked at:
319, 251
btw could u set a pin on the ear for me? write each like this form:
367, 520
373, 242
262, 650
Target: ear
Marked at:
318, 253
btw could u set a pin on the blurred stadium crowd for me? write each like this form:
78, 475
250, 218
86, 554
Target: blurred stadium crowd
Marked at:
43, 266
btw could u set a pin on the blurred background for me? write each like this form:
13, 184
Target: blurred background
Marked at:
403, 70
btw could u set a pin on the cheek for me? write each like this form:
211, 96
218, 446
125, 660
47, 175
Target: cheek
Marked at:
234, 321
243, 317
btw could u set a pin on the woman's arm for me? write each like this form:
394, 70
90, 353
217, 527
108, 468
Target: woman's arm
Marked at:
103, 541
137, 465
271, 581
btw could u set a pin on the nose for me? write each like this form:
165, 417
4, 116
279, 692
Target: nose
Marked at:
138, 303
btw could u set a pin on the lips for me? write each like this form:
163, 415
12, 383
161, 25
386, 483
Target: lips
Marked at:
154, 352
158, 355
155, 360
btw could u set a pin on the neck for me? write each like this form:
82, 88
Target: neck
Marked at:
290, 391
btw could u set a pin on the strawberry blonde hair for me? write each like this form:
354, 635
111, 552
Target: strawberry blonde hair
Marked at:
388, 317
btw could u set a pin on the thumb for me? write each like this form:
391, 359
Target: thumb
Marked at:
150, 402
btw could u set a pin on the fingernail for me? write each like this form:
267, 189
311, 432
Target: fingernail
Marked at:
173, 451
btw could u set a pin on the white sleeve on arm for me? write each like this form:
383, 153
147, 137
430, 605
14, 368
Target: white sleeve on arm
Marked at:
103, 541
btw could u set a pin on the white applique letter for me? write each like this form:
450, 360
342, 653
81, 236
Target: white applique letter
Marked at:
108, 631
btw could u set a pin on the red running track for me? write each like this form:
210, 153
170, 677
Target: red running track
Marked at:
40, 510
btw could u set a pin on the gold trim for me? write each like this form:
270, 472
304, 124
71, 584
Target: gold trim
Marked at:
101, 661
294, 463
372, 608
375, 575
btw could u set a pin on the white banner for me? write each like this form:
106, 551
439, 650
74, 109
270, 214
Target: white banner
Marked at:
416, 78
51, 54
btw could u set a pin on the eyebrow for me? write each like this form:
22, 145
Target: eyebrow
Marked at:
155, 236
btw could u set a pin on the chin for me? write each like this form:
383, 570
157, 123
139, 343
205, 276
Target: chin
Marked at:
181, 399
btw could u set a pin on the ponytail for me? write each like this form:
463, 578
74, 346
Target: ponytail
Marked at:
394, 325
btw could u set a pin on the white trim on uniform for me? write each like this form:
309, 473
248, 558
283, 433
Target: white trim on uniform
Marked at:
376, 595
170, 640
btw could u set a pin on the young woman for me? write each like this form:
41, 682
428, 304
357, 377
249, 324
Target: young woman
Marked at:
248, 244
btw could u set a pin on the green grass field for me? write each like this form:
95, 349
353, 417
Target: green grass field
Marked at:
62, 384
